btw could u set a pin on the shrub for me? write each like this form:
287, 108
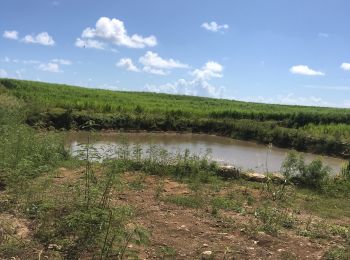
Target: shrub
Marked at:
314, 175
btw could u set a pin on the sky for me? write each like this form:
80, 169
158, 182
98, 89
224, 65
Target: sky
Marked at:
270, 51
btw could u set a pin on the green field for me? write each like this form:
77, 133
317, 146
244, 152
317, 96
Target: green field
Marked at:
314, 129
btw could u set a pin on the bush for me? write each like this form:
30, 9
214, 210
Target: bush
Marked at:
314, 175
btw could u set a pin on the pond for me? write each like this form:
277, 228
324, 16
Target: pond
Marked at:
226, 151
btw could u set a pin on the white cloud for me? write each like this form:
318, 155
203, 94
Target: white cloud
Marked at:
62, 61
214, 26
3, 73
50, 67
345, 66
114, 31
90, 44
305, 70
155, 71
152, 63
193, 87
128, 64
42, 38
13, 35
210, 70
198, 86
152, 59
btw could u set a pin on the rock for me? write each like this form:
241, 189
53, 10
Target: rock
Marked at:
229, 172
252, 176
206, 255
277, 177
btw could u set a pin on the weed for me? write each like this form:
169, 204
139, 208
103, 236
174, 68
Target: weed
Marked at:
226, 204
186, 201
167, 252
273, 219
338, 253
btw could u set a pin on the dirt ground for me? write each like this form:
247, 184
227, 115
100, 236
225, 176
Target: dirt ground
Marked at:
192, 232
178, 232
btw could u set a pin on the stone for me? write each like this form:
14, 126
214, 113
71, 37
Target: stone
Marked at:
206, 255
229, 172
253, 176
277, 177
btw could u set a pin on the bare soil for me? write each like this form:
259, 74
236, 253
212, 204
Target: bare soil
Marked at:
178, 232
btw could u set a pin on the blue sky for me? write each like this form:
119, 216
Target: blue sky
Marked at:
273, 51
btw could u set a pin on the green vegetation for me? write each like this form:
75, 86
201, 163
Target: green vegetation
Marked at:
58, 207
319, 130
73, 221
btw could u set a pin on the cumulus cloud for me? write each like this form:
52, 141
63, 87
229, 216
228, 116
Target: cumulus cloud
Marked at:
113, 31
210, 70
128, 64
188, 87
152, 59
54, 65
90, 44
345, 66
13, 35
155, 71
305, 70
155, 64
152, 63
42, 38
214, 26
3, 73
50, 67
198, 86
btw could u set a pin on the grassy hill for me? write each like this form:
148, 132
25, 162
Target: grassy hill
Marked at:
315, 129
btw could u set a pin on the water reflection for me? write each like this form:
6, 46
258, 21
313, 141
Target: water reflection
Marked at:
247, 155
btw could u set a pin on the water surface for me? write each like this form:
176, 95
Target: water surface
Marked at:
226, 151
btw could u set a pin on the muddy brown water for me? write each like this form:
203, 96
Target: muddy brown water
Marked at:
226, 151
